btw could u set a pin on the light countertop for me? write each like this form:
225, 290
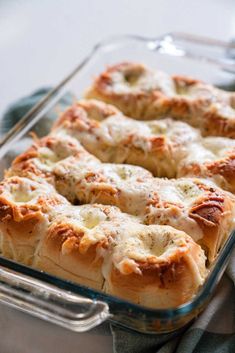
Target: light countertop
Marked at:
41, 41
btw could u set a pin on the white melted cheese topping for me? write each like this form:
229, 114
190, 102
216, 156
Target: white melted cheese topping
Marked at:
144, 80
113, 140
208, 150
219, 146
135, 244
136, 189
197, 154
182, 190
116, 130
182, 193
130, 181
96, 222
61, 147
137, 78
127, 241
25, 191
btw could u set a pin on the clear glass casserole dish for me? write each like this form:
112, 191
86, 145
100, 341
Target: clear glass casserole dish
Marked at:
71, 305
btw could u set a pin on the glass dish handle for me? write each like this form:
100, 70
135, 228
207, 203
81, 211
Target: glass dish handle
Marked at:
216, 52
45, 301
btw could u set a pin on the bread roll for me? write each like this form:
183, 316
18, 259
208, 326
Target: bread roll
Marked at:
39, 160
24, 216
155, 266
100, 247
143, 93
77, 240
195, 206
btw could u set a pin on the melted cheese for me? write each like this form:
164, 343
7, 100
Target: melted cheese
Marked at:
136, 244
140, 79
115, 139
182, 193
196, 154
132, 191
168, 147
219, 146
208, 150
25, 191
118, 129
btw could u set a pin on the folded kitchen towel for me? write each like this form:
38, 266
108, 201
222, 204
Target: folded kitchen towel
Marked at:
212, 332
18, 109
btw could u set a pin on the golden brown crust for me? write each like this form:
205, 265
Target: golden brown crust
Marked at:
209, 213
225, 168
212, 210
24, 207
164, 281
39, 160
145, 94
10, 202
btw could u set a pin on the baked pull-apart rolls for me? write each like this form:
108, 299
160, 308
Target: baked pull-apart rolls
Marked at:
155, 266
143, 93
156, 145
195, 206
78, 203
24, 216
98, 246
165, 147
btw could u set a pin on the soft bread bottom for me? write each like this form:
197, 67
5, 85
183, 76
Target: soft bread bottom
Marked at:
93, 280
149, 291
18, 240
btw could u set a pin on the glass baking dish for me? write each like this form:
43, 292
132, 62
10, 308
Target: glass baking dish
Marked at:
74, 306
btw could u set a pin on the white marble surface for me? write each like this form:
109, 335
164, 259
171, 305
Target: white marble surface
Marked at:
41, 41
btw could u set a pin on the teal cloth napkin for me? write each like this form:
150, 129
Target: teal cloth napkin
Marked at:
18, 109
212, 332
